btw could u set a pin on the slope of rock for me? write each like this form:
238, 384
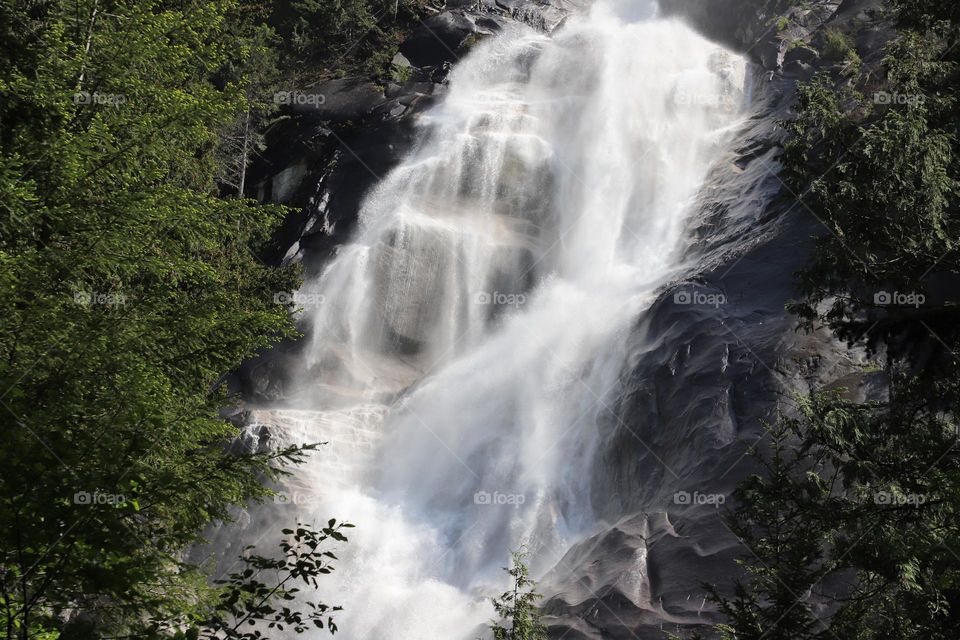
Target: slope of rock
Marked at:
699, 380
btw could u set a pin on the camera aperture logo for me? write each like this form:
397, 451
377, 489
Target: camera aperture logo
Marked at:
697, 498
109, 99
501, 299
911, 299
299, 98
296, 498
91, 298
98, 498
298, 298
692, 297
898, 499
498, 498
885, 97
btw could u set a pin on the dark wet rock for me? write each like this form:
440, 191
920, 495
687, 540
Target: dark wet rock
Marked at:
764, 30
255, 438
801, 62
715, 357
641, 577
438, 39
544, 15
413, 90
739, 24
336, 100
264, 377
490, 24
785, 36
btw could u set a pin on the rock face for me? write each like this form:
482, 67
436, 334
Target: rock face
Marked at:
701, 378
439, 38
778, 33
744, 25
344, 135
639, 578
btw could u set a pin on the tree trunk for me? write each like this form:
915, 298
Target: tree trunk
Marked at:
86, 50
243, 154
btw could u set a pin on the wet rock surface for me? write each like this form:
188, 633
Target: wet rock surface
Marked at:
342, 136
714, 359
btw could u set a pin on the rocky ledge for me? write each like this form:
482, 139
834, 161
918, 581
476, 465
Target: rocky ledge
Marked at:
699, 381
343, 135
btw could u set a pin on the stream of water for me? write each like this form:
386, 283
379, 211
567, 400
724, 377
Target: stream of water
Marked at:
466, 340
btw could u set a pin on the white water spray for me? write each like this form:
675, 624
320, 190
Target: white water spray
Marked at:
472, 332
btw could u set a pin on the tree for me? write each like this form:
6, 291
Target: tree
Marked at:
261, 593
785, 541
333, 37
868, 500
878, 163
876, 157
517, 606
257, 70
129, 288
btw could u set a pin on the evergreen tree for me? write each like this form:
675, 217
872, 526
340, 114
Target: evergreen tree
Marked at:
779, 522
877, 484
129, 288
866, 499
517, 606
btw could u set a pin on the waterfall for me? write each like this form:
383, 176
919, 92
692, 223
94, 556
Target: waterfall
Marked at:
463, 345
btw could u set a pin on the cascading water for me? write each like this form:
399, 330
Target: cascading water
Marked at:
471, 333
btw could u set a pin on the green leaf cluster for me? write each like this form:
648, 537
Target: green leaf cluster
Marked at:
128, 289
853, 525
517, 606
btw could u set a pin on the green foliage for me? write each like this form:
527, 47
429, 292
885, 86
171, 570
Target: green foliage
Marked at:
785, 545
257, 70
400, 74
323, 29
517, 606
882, 172
249, 598
343, 36
860, 522
129, 288
869, 497
840, 47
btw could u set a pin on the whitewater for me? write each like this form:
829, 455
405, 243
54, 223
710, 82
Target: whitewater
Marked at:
464, 344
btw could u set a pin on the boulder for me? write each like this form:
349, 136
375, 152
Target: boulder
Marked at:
338, 100
438, 39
